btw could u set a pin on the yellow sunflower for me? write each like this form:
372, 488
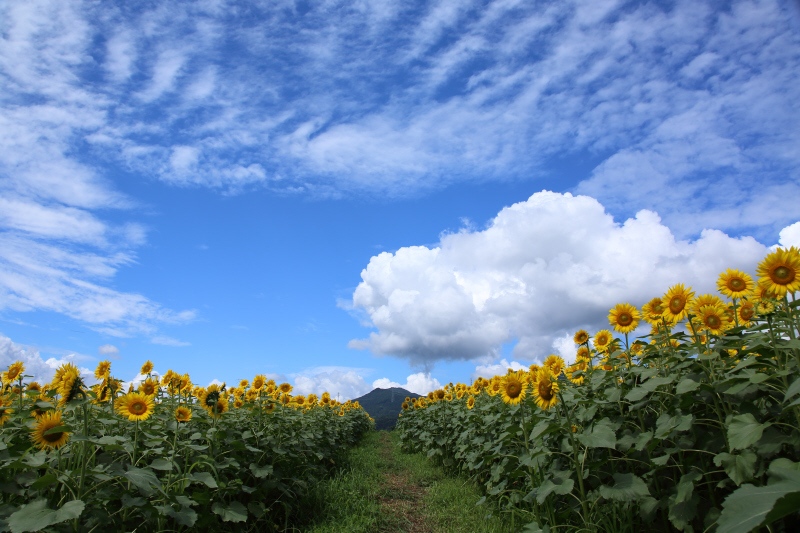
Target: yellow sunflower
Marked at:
765, 307
652, 311
45, 423
135, 406
460, 394
5, 410
624, 318
102, 370
238, 404
735, 284
555, 363
183, 414
780, 272
678, 301
149, 387
405, 406
714, 319
221, 408
602, 340
312, 399
270, 407
14, 371
70, 387
470, 402
573, 370
703, 300
285, 388
512, 389
746, 312
244, 384
300, 400
583, 353
546, 389
259, 381
147, 367
581, 337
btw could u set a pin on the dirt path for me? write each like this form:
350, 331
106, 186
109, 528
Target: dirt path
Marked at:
400, 497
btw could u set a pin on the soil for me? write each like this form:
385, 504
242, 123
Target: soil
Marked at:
402, 498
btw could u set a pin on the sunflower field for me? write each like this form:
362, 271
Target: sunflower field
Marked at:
168, 456
694, 426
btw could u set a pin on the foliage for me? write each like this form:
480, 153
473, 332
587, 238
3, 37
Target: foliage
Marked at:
93, 460
686, 431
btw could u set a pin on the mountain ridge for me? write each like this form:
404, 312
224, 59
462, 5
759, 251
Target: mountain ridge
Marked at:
384, 405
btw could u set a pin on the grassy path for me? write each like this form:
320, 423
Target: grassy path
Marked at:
384, 490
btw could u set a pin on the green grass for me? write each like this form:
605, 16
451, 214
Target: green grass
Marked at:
381, 489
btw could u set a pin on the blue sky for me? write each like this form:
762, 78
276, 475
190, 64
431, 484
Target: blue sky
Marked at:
356, 194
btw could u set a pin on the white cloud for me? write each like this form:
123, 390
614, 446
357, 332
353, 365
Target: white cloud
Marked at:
790, 236
340, 383
420, 383
109, 350
42, 370
168, 341
542, 269
497, 369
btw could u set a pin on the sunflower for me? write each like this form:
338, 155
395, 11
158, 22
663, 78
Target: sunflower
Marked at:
624, 318
581, 337
270, 407
602, 339
555, 363
653, 310
102, 370
45, 423
312, 399
5, 410
34, 386
71, 385
703, 300
285, 388
470, 402
149, 387
546, 389
422, 403
147, 367
678, 300
714, 319
494, 387
14, 371
583, 352
405, 406
244, 384
572, 371
285, 398
183, 414
238, 404
765, 307
460, 394
780, 272
448, 397
258, 381
219, 409
300, 400
746, 312
735, 284
135, 406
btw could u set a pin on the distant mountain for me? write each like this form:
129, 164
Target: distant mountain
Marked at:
384, 405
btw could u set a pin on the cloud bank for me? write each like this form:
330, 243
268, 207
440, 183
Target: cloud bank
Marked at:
541, 269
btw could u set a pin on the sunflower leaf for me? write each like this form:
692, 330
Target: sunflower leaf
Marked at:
235, 512
627, 487
205, 478
749, 508
36, 516
744, 430
145, 480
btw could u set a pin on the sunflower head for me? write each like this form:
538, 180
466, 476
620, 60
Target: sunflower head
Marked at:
183, 414
147, 367
103, 370
440, 394
149, 387
765, 308
746, 312
15, 370
555, 363
602, 340
678, 301
285, 388
135, 406
546, 389
653, 310
581, 337
39, 434
779, 272
269, 407
624, 318
735, 284
5, 409
259, 381
470, 402
714, 319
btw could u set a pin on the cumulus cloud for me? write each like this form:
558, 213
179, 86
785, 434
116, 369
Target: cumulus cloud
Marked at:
496, 369
342, 383
420, 383
540, 270
790, 236
109, 350
42, 370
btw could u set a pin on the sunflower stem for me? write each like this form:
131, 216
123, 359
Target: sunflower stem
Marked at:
578, 464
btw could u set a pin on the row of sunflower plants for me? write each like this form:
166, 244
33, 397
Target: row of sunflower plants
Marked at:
169, 456
694, 426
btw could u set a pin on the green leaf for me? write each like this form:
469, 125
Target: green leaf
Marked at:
749, 507
653, 383
36, 516
539, 429
145, 480
534, 527
601, 436
204, 477
740, 468
627, 488
792, 391
58, 429
643, 439
744, 430
161, 464
44, 481
637, 394
186, 516
686, 486
559, 484
686, 385
235, 512
261, 471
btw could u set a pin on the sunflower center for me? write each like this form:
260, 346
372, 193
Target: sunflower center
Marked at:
624, 319
676, 304
736, 284
53, 437
713, 321
138, 407
545, 391
513, 390
783, 275
747, 313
